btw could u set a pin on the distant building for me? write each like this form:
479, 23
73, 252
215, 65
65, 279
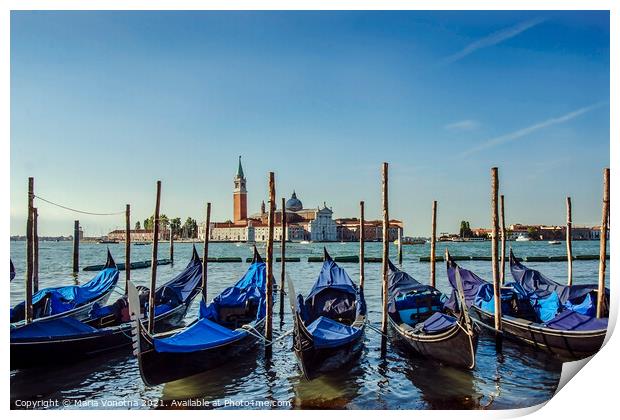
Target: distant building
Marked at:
138, 235
310, 224
349, 229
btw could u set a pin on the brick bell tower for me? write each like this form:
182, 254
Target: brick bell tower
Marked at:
240, 197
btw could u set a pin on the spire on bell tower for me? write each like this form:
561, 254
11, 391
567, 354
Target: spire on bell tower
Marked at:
240, 201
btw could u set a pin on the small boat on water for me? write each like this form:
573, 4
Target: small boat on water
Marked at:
108, 328
554, 242
538, 311
522, 238
407, 240
74, 301
107, 241
419, 318
136, 265
225, 328
329, 323
304, 242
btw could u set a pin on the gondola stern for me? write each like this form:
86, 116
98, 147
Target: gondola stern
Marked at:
326, 256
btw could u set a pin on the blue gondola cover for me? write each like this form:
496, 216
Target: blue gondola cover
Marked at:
61, 327
207, 332
574, 321
328, 333
438, 322
62, 299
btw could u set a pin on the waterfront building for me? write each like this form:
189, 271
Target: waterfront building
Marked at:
138, 235
348, 229
313, 224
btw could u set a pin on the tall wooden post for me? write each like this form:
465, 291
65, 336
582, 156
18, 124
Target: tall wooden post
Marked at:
361, 245
502, 272
154, 261
205, 253
433, 242
494, 246
127, 247
35, 243
76, 246
171, 245
282, 258
600, 300
569, 240
269, 300
386, 248
29, 252
400, 246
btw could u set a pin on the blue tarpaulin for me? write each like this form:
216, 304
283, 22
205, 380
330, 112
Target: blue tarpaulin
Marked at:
546, 305
60, 327
207, 332
574, 321
584, 306
56, 300
202, 335
438, 322
328, 333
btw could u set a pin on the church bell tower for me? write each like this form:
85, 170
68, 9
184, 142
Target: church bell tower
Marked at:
240, 197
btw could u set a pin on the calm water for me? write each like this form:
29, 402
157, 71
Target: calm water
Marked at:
518, 377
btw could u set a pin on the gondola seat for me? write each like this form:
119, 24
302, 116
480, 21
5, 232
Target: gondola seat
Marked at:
334, 304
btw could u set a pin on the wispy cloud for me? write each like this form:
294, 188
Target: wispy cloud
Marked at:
496, 141
493, 39
463, 125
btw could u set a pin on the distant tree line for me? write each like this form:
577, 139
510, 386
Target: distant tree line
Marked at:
187, 230
465, 230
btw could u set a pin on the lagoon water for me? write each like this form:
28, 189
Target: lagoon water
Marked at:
518, 377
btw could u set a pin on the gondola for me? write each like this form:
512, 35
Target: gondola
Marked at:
69, 301
12, 275
538, 311
329, 323
108, 328
226, 328
418, 318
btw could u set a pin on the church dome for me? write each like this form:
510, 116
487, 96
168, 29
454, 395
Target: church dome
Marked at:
293, 204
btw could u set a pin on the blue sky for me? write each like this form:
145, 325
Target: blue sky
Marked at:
105, 103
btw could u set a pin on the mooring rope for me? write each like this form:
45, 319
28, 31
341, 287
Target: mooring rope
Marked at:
257, 334
376, 329
76, 210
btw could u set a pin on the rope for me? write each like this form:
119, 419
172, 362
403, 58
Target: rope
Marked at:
78, 211
376, 329
257, 334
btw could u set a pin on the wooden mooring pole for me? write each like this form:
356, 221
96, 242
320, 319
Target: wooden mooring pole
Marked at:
361, 235
35, 258
205, 253
282, 259
29, 252
600, 299
127, 247
502, 272
400, 246
433, 242
386, 249
494, 257
76, 246
171, 245
569, 240
154, 261
269, 300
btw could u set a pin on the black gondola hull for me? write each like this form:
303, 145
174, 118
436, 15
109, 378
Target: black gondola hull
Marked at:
567, 345
162, 367
455, 347
315, 361
29, 353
